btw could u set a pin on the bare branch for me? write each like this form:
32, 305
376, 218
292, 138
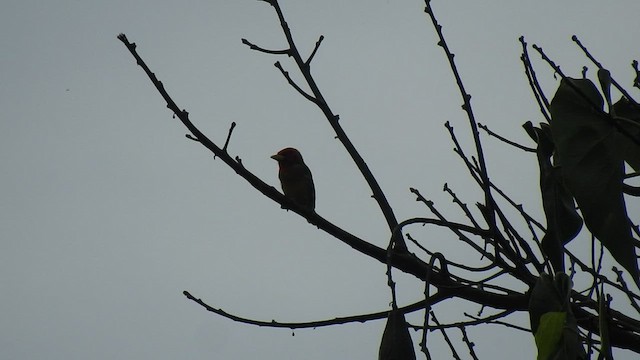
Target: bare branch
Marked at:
636, 80
466, 106
427, 285
446, 337
452, 263
226, 143
505, 140
294, 85
266, 51
553, 65
541, 99
626, 290
190, 137
469, 343
390, 282
319, 323
593, 59
493, 320
462, 205
315, 49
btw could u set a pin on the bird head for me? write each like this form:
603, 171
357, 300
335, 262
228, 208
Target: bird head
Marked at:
288, 156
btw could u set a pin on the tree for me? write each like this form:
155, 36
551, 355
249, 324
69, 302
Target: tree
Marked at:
534, 258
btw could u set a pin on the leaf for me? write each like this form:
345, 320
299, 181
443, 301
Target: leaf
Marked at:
627, 114
563, 221
604, 76
549, 333
592, 167
529, 128
547, 297
550, 297
396, 341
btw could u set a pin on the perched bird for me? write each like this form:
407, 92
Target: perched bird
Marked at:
295, 178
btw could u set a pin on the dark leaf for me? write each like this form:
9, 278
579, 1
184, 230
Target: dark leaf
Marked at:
549, 334
552, 321
628, 118
592, 167
529, 128
604, 76
563, 221
396, 341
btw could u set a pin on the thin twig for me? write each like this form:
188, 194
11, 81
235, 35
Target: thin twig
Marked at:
446, 337
496, 239
518, 241
505, 140
473, 171
461, 205
593, 59
226, 143
583, 267
469, 343
263, 50
456, 230
636, 80
451, 263
492, 320
427, 309
626, 291
476, 321
190, 137
534, 84
466, 97
293, 83
315, 49
390, 282
444, 223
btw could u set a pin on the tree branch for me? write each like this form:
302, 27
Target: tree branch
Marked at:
332, 118
436, 298
466, 106
593, 59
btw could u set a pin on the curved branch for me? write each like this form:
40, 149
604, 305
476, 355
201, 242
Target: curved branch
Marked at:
436, 298
443, 223
263, 50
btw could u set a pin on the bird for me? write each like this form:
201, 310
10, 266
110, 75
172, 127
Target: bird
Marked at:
295, 178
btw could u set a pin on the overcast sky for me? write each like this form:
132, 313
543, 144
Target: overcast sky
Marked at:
107, 211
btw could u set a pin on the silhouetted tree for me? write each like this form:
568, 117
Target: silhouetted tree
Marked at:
586, 153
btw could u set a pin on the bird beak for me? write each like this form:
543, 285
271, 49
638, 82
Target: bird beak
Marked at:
277, 157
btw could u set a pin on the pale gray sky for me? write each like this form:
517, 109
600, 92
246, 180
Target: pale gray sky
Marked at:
108, 212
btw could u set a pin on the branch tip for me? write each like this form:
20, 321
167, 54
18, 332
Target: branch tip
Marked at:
226, 143
188, 136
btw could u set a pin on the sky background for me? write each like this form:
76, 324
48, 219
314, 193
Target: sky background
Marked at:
108, 212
